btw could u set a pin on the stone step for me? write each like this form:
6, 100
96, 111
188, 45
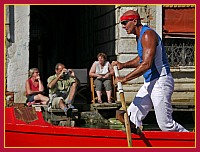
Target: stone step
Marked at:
178, 87
176, 96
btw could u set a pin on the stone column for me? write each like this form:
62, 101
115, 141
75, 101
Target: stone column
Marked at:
17, 53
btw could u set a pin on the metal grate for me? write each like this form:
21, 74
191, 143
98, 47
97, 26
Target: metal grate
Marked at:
180, 53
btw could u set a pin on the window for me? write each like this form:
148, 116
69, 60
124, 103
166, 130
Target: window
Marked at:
180, 52
179, 34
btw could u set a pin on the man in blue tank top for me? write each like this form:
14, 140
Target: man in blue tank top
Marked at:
152, 63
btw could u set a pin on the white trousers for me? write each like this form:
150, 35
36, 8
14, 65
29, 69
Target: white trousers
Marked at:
156, 93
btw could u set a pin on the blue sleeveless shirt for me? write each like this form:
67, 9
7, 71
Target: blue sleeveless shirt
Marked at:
160, 66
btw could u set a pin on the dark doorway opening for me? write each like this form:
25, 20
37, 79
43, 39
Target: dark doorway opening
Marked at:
71, 34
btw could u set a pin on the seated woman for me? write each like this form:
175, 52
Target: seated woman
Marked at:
102, 71
35, 88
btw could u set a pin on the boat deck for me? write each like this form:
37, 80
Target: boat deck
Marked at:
19, 133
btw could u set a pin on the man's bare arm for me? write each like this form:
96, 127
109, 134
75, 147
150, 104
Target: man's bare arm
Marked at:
149, 43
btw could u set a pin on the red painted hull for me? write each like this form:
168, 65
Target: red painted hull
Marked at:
42, 134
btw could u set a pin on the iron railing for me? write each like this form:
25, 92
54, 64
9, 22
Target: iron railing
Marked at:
180, 55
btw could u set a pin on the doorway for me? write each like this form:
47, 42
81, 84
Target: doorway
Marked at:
70, 34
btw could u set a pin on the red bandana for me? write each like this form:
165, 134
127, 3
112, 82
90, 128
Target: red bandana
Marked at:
129, 17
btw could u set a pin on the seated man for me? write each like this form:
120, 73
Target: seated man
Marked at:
62, 88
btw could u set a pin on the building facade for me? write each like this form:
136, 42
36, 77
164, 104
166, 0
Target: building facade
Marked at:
41, 36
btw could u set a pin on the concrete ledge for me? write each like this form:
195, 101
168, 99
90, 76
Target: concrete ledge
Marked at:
183, 69
176, 96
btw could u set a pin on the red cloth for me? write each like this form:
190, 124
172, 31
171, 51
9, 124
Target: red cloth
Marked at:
129, 17
179, 20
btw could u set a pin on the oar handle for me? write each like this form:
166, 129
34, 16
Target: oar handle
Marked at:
126, 119
119, 84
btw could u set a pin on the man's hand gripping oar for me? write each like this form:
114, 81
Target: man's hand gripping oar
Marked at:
126, 119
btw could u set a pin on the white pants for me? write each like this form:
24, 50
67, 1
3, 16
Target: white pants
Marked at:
156, 93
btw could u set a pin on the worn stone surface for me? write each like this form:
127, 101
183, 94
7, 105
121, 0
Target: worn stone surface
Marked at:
17, 56
125, 57
127, 46
177, 96
93, 117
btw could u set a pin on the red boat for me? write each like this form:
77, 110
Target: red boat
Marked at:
39, 133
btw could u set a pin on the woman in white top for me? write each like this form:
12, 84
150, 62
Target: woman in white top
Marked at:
102, 71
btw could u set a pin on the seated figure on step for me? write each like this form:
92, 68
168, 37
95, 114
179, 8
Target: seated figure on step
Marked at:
102, 71
35, 89
62, 88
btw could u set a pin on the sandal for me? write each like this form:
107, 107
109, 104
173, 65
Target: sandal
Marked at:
109, 101
99, 101
29, 104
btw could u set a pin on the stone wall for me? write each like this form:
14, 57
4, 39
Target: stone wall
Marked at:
17, 52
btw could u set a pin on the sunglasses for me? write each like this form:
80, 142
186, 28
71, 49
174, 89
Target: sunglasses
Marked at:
125, 22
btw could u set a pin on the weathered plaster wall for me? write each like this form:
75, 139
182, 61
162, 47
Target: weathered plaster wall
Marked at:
17, 57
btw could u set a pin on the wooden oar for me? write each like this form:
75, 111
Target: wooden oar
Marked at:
126, 119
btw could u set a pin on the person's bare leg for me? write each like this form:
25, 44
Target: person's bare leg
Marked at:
42, 98
109, 96
99, 96
72, 91
62, 105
